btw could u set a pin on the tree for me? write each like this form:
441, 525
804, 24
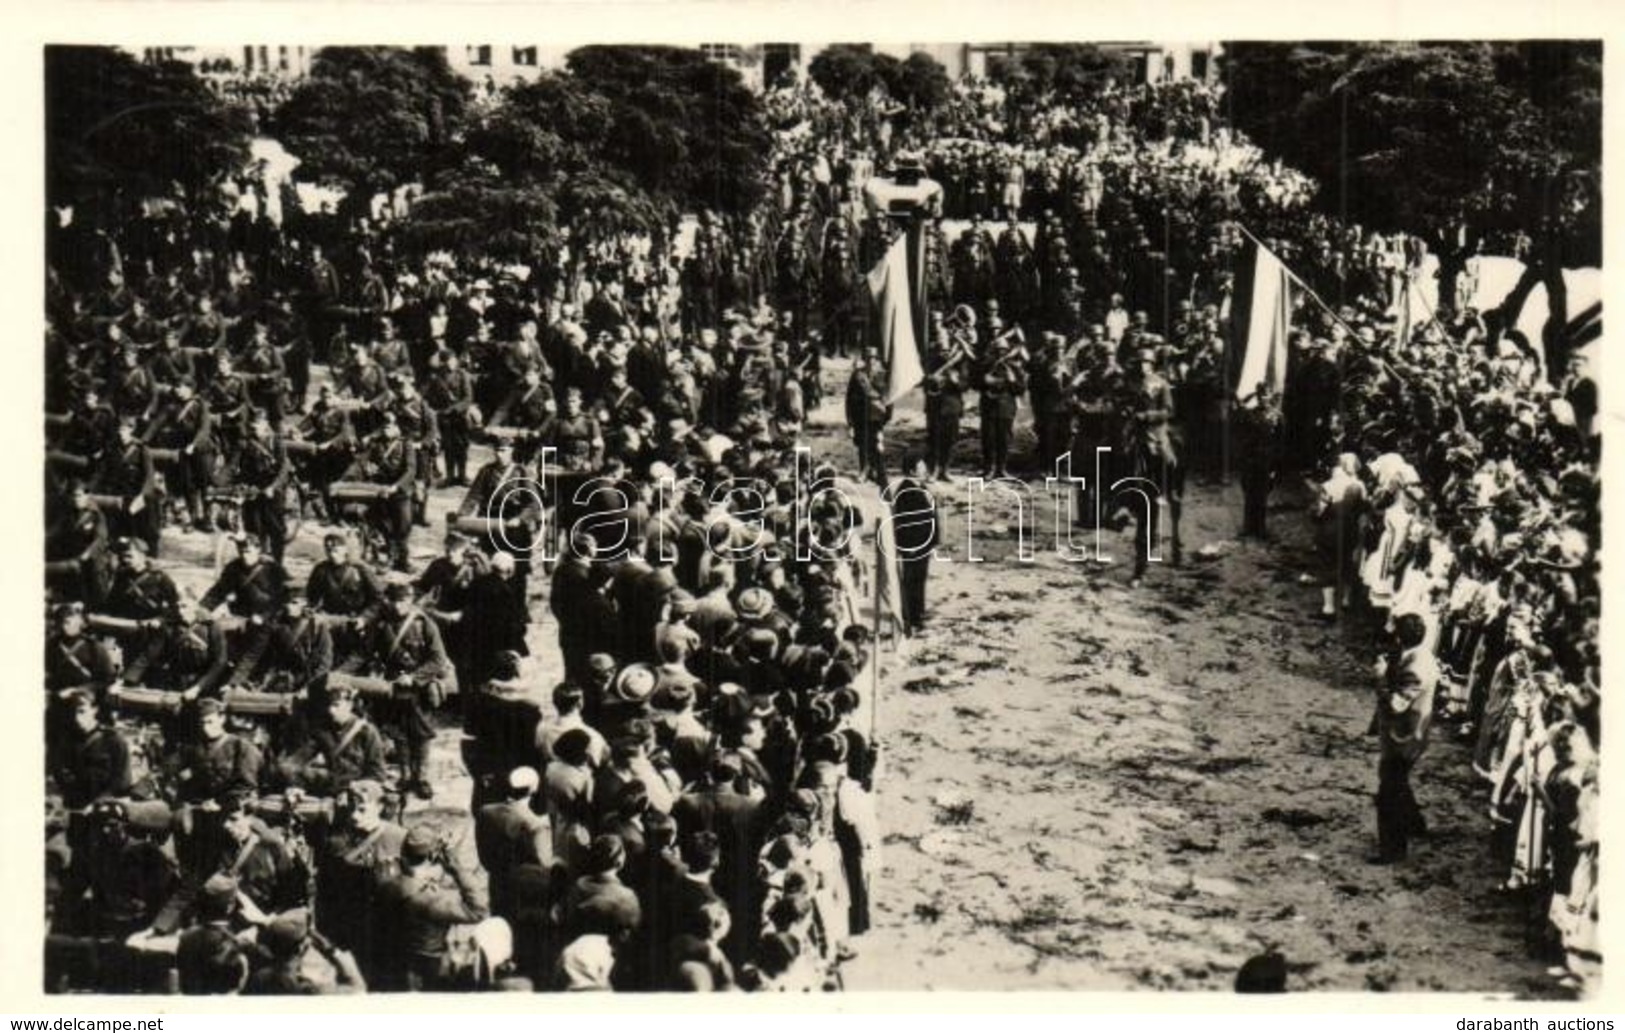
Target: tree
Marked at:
920, 82
686, 127
1460, 143
120, 130
845, 71
369, 119
1072, 70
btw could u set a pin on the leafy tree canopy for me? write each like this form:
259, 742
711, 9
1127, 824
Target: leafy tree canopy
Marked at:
117, 128
1456, 141
1069, 70
371, 118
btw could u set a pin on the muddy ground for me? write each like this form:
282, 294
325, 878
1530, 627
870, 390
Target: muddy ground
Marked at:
1091, 787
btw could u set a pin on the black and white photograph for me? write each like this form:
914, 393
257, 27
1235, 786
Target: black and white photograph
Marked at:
802, 517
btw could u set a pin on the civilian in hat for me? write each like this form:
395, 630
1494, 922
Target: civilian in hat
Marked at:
417, 909
509, 833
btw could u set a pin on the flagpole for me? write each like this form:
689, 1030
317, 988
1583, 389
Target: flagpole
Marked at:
874, 655
1297, 279
1316, 297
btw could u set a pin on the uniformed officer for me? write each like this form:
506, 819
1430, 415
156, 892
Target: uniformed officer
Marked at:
867, 414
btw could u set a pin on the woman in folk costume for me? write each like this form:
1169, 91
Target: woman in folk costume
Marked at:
1397, 498
1521, 764
1338, 511
1513, 672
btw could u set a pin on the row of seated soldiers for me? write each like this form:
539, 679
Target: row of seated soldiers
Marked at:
166, 425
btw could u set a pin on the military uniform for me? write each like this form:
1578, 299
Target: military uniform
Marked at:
409, 650
391, 462
450, 393
945, 399
126, 471
263, 466
1002, 380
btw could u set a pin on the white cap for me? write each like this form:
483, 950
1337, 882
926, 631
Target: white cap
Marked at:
524, 778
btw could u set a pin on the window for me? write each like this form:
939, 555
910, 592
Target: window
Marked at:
525, 57
282, 58
479, 56
721, 51
1199, 64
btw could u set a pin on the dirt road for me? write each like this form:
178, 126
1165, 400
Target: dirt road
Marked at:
1091, 787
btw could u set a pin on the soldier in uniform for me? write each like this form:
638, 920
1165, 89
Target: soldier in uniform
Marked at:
126, 471
78, 564
1148, 444
263, 469
343, 748
867, 414
389, 459
420, 430
326, 428
293, 658
450, 394
75, 664
341, 587
1003, 377
229, 404
1257, 443
442, 593
355, 855
1050, 389
187, 427
404, 646
504, 490
144, 594
951, 359
262, 368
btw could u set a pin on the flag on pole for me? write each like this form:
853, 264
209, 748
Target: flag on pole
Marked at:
888, 573
1262, 318
890, 288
